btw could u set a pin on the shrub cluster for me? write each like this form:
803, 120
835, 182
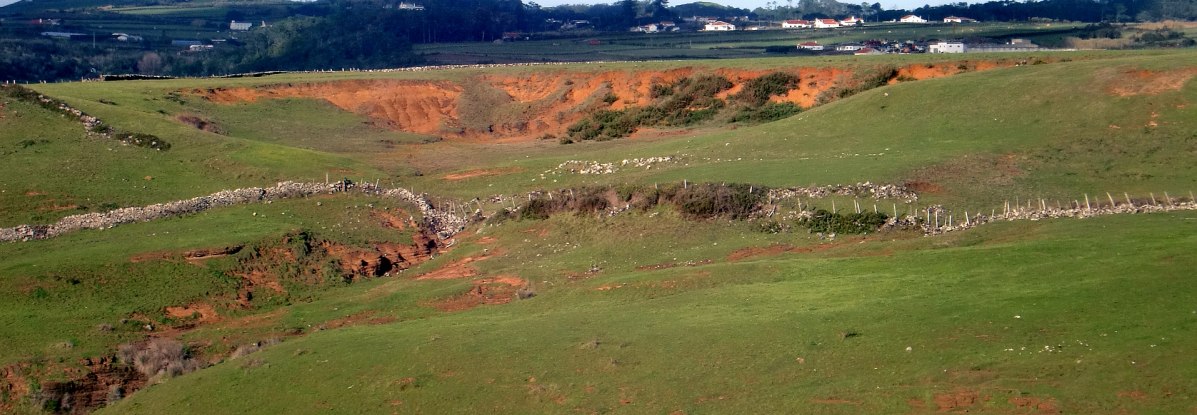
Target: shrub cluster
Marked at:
690, 101
160, 359
758, 91
685, 102
768, 112
863, 81
698, 201
853, 223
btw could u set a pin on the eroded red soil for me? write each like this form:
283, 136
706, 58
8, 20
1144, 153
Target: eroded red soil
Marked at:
527, 106
493, 290
1131, 82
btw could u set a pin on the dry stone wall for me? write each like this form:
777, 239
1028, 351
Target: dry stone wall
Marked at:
443, 223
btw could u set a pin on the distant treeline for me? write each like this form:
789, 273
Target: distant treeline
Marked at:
369, 34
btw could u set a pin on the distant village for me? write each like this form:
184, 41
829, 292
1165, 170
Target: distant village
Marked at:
687, 24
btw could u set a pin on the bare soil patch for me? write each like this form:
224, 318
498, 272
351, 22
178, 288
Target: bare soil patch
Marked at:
203, 313
494, 290
470, 174
362, 318
190, 255
1131, 82
457, 269
959, 401
1036, 405
200, 123
398, 219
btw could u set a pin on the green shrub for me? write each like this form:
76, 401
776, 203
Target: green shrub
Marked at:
768, 112
536, 209
707, 200
854, 223
757, 91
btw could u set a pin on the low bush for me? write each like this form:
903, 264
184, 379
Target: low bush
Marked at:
769, 112
735, 201
160, 359
854, 223
758, 91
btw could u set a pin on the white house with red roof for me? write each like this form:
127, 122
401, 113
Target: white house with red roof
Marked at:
719, 26
851, 21
910, 18
826, 23
795, 24
958, 19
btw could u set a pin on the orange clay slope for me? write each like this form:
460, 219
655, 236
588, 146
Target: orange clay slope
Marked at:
524, 106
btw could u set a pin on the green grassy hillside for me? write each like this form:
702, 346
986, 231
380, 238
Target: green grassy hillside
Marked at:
992, 326
649, 311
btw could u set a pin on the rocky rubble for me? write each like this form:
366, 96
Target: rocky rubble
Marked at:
944, 223
595, 167
444, 224
866, 189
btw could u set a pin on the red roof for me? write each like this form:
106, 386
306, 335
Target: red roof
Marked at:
829, 21
809, 44
797, 22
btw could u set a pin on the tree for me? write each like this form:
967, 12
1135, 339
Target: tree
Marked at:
150, 64
659, 9
627, 12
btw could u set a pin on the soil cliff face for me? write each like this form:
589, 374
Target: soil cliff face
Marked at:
530, 105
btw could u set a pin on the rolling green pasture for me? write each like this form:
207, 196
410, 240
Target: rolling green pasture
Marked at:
1013, 311
646, 312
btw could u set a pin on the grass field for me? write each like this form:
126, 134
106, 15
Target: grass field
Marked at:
644, 312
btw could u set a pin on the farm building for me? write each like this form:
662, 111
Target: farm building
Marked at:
235, 25
719, 26
795, 24
810, 46
957, 19
826, 23
910, 18
848, 48
868, 51
851, 21
1015, 45
946, 47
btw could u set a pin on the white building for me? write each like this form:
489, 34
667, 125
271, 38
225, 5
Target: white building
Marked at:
235, 25
795, 24
826, 23
848, 48
410, 6
810, 46
718, 26
910, 18
957, 19
946, 47
648, 28
125, 37
851, 21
